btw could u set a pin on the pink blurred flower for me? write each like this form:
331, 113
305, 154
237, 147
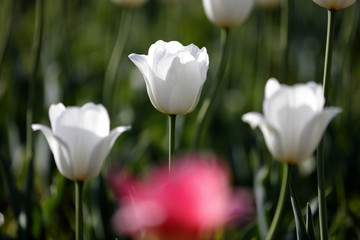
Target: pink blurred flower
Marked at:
189, 203
242, 208
120, 182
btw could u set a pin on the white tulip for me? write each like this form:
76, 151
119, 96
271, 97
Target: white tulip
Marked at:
174, 75
129, 3
334, 4
294, 119
80, 139
227, 13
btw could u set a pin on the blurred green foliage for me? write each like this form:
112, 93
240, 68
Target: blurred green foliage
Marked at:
78, 40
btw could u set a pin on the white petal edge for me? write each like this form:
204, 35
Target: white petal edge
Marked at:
59, 149
272, 86
314, 131
95, 119
101, 151
271, 136
55, 111
141, 62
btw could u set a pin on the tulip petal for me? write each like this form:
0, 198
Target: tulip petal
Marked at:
271, 135
55, 111
254, 119
227, 13
334, 4
141, 61
314, 131
59, 149
271, 87
174, 47
90, 117
235, 12
182, 88
101, 150
289, 110
95, 118
319, 94
161, 55
156, 45
202, 58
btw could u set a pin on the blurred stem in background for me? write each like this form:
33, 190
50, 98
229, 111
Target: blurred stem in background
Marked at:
6, 174
37, 45
7, 20
79, 224
320, 155
284, 40
115, 58
214, 89
281, 202
172, 122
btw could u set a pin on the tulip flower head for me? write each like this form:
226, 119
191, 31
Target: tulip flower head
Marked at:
129, 3
334, 4
294, 119
174, 75
189, 203
227, 13
80, 139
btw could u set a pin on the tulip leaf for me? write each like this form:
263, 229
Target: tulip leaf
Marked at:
356, 222
28, 192
309, 223
4, 237
10, 187
260, 198
52, 200
299, 220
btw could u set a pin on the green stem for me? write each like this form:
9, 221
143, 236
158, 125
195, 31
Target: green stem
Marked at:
114, 61
79, 224
37, 45
285, 9
328, 50
8, 22
38, 33
172, 121
209, 100
320, 157
281, 202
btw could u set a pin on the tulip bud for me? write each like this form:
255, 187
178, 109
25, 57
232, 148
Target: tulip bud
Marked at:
174, 75
227, 13
294, 119
80, 139
334, 4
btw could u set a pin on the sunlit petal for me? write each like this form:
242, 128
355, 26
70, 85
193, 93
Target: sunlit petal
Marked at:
59, 150
102, 149
314, 130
